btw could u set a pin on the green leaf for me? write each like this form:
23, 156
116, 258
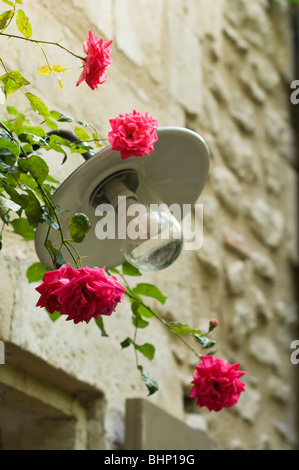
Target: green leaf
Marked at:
12, 110
13, 81
139, 309
37, 131
138, 322
56, 254
23, 24
147, 349
54, 316
126, 343
145, 311
38, 105
204, 341
5, 17
100, 324
8, 2
51, 123
36, 166
55, 114
130, 270
49, 219
36, 272
79, 226
20, 199
33, 210
81, 134
58, 68
149, 382
44, 70
7, 205
114, 271
149, 290
10, 146
183, 329
61, 117
33, 139
22, 227
83, 123
28, 181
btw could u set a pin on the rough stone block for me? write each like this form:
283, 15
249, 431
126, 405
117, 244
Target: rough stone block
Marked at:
267, 222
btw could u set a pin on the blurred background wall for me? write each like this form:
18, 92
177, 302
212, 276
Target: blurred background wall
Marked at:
222, 69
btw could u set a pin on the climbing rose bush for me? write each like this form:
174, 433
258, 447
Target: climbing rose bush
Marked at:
133, 134
85, 293
216, 383
81, 294
96, 62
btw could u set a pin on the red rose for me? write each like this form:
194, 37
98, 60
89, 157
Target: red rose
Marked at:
216, 383
133, 134
96, 62
52, 281
86, 294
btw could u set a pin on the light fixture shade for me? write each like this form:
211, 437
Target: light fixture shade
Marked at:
177, 170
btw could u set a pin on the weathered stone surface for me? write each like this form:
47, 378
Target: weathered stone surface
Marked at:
218, 87
185, 87
243, 113
236, 39
236, 242
210, 211
279, 389
267, 222
196, 421
227, 188
243, 323
273, 168
255, 91
211, 113
266, 73
210, 256
249, 405
236, 12
264, 266
286, 430
248, 17
265, 351
275, 125
138, 35
260, 304
236, 277
238, 154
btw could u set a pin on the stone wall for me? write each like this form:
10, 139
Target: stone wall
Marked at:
222, 69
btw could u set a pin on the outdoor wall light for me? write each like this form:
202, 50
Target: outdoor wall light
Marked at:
128, 202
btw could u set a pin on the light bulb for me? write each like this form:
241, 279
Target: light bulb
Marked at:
153, 237
149, 236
